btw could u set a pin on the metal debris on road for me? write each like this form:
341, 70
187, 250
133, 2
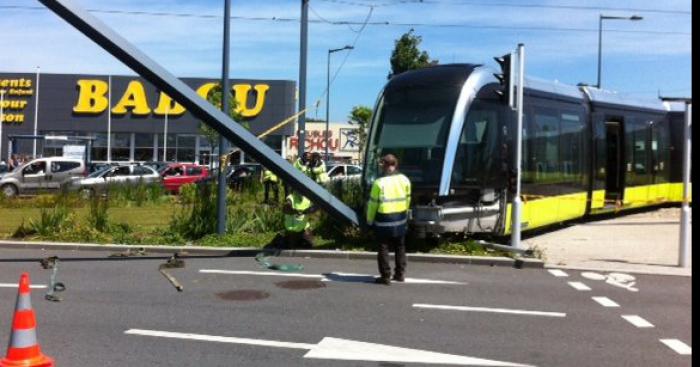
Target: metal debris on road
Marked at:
54, 286
130, 253
174, 262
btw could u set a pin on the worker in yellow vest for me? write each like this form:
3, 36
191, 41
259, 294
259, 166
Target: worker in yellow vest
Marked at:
270, 183
387, 214
317, 169
296, 222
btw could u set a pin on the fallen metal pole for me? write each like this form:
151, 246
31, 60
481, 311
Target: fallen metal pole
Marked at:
120, 48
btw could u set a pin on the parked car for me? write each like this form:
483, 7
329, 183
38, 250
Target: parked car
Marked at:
41, 175
94, 167
177, 174
128, 174
243, 174
158, 166
344, 172
3, 169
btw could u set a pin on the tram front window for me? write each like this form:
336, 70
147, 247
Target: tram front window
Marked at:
476, 159
413, 125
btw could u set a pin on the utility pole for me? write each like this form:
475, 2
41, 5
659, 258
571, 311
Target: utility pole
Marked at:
684, 248
225, 90
517, 203
301, 133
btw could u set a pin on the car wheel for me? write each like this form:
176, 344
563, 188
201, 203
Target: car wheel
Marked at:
9, 190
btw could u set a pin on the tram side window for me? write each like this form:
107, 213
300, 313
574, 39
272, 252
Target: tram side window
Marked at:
636, 152
571, 141
543, 146
476, 153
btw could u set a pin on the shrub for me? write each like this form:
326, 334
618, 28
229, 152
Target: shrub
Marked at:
98, 217
51, 222
197, 219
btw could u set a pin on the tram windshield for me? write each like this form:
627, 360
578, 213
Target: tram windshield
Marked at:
412, 123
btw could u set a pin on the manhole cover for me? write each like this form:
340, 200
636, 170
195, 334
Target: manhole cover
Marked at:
301, 284
243, 295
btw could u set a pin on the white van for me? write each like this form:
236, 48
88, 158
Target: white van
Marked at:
41, 175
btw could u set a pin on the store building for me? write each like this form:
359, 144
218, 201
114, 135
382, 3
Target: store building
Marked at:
128, 118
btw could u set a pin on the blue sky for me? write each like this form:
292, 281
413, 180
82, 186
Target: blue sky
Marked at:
639, 58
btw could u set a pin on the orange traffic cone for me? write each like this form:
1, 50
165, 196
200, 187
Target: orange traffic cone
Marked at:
23, 350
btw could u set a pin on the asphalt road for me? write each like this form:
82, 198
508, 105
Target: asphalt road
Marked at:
547, 322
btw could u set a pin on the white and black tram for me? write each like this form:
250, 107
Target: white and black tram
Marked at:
585, 151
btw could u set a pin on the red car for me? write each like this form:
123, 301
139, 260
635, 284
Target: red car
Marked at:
178, 174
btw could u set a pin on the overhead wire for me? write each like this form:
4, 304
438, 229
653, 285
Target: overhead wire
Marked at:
376, 23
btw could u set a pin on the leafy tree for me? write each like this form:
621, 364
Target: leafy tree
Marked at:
214, 97
406, 55
360, 116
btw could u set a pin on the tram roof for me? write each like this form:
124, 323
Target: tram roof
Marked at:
610, 97
554, 87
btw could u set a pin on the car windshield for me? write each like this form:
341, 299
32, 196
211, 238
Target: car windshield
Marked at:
99, 172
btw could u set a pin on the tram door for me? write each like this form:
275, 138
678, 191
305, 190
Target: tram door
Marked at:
614, 185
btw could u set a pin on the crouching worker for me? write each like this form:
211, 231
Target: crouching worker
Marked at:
296, 223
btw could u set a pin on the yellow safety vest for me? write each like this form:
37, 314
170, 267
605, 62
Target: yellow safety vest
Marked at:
319, 173
297, 222
389, 195
269, 176
298, 164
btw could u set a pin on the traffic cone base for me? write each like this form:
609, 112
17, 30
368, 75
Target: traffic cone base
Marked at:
24, 350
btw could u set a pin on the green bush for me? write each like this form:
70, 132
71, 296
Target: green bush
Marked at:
51, 222
197, 219
98, 217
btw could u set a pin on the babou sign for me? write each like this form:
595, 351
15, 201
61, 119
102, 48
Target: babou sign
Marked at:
93, 99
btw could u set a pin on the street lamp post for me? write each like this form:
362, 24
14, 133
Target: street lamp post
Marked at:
600, 37
328, 90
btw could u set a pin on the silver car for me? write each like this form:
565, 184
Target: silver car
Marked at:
41, 175
129, 174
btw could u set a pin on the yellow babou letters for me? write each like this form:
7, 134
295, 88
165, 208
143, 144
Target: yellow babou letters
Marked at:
134, 97
91, 96
204, 90
166, 104
242, 90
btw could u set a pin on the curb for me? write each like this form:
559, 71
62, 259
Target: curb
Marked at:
519, 263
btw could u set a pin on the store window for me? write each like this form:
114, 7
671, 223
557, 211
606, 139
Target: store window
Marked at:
186, 148
99, 147
171, 148
143, 147
121, 146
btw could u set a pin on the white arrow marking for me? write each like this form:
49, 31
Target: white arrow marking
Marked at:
326, 277
487, 309
15, 285
341, 349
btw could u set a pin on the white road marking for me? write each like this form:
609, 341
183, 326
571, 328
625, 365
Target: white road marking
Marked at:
558, 273
579, 286
15, 285
326, 277
593, 275
489, 309
605, 302
677, 346
340, 349
637, 321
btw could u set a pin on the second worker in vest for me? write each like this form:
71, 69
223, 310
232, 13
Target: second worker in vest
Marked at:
387, 214
270, 183
296, 221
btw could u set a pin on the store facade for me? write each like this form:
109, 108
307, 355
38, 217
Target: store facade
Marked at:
127, 118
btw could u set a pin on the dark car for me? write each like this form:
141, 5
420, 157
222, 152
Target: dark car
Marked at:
243, 175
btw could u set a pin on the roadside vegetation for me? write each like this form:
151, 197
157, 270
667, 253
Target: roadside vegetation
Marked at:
146, 215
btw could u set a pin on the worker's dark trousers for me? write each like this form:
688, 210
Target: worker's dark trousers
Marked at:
269, 185
295, 240
399, 247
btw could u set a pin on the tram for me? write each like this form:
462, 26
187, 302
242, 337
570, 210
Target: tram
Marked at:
586, 151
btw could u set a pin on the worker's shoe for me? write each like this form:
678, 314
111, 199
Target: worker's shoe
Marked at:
382, 280
398, 278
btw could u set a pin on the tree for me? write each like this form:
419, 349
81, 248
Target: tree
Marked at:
406, 55
214, 97
360, 116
